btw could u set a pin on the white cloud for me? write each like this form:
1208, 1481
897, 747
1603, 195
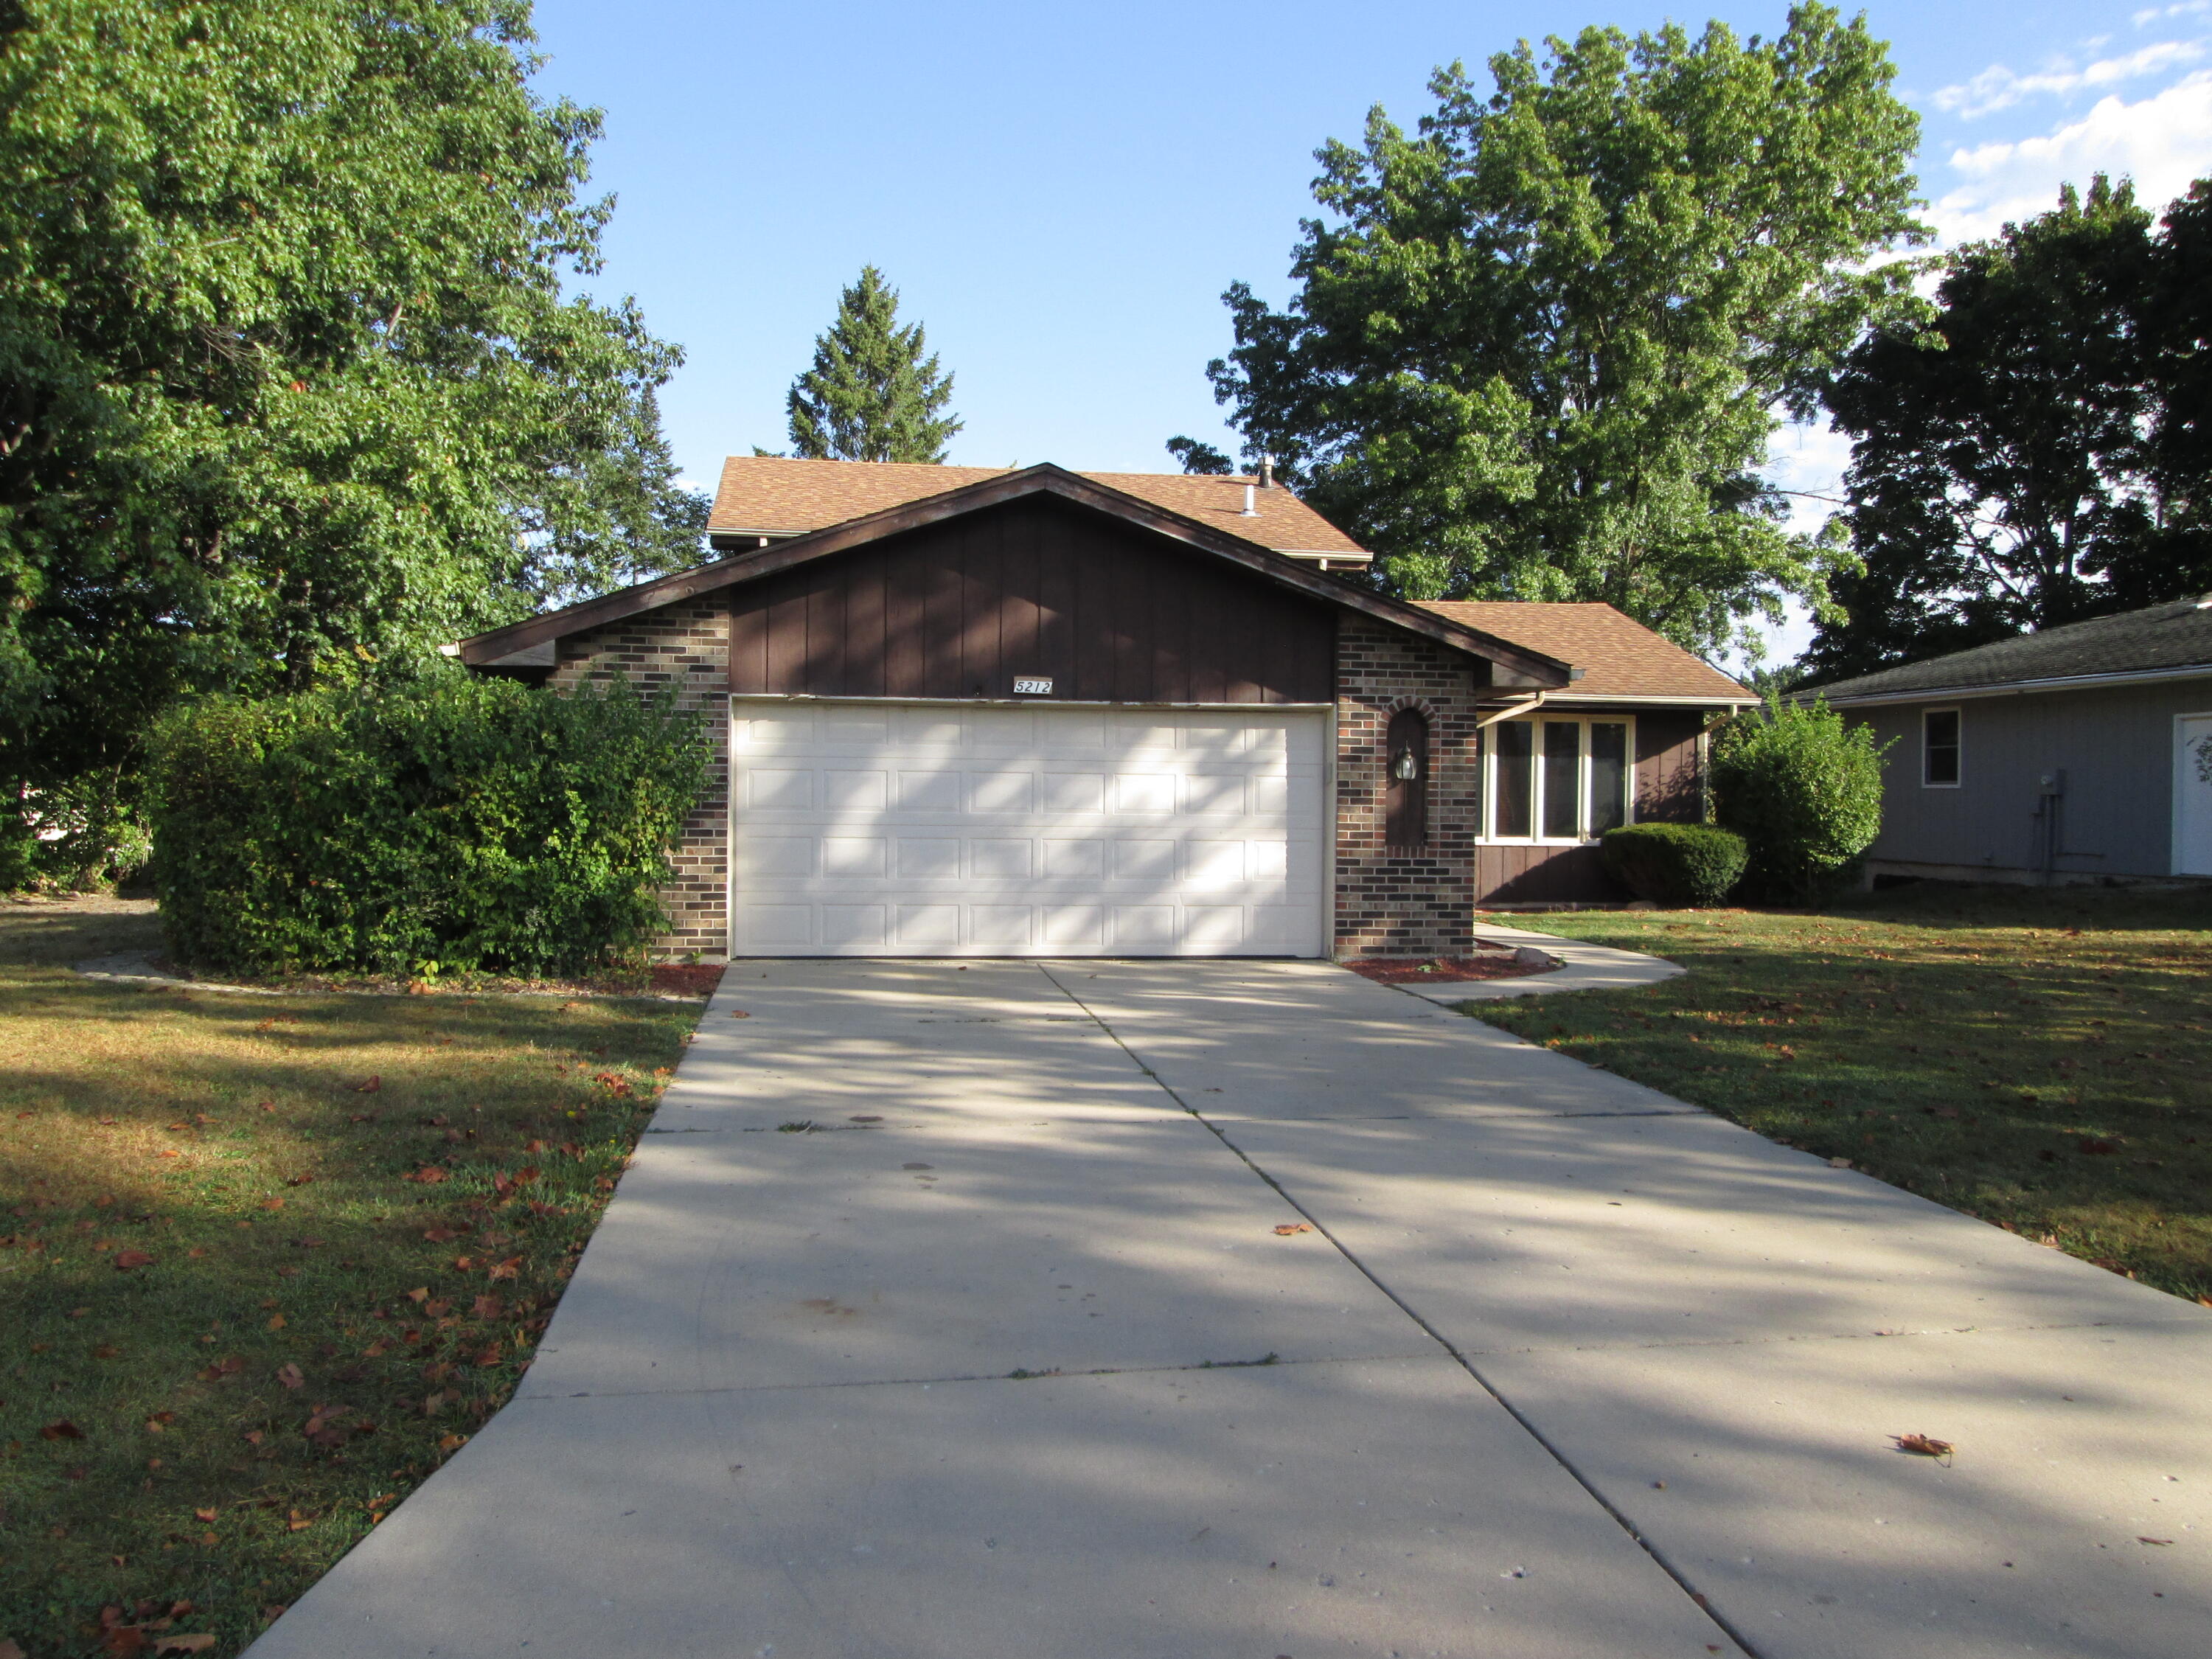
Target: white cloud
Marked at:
2163, 142
2186, 8
1997, 88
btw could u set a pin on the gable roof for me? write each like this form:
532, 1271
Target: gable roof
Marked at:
776, 497
2160, 642
1516, 666
1621, 658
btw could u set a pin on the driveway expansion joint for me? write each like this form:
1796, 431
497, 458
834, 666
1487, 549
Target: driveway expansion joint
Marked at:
1588, 1485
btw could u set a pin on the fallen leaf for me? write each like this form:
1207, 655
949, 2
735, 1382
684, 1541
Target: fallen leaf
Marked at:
2091, 1147
290, 1376
105, 1351
207, 1516
447, 1442
223, 1369
510, 1269
300, 1523
61, 1429
739, 1014
273, 1203
2140, 1539
485, 1307
275, 1322
299, 1180
198, 1641
534, 1145
369, 1087
429, 1175
125, 1259
437, 1309
419, 1294
1922, 1445
1284, 1230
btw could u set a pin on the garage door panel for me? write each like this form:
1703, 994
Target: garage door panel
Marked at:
903, 830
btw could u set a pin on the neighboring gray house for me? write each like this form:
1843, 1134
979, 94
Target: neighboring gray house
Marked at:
2072, 755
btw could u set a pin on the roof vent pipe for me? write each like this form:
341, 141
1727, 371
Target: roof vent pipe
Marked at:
1251, 511
1267, 472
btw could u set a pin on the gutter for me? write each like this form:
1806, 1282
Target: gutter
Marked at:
2015, 688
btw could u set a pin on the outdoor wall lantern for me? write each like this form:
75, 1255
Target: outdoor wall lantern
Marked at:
1405, 801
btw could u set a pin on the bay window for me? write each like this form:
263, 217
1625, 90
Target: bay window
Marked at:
1557, 779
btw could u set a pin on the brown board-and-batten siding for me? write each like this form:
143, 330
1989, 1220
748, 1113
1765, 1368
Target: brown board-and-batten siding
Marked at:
1033, 589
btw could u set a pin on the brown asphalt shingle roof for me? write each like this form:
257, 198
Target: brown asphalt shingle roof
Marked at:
772, 495
1618, 656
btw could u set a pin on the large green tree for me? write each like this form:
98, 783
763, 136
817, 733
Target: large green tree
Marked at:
872, 394
1538, 346
2000, 476
287, 373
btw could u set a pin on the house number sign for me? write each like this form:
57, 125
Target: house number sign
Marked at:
1032, 688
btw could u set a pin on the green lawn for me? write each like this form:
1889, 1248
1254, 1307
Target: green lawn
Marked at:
2042, 1060
265, 1262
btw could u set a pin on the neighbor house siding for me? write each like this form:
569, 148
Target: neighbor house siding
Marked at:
1396, 904
685, 646
2115, 747
1035, 588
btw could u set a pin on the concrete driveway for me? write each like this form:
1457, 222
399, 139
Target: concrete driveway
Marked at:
1202, 1310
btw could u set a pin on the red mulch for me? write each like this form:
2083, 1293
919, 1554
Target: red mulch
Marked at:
677, 979
1397, 970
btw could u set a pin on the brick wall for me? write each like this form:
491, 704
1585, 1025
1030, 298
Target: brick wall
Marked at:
687, 646
1399, 904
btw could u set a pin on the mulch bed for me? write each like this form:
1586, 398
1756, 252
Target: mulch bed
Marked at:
1399, 970
697, 980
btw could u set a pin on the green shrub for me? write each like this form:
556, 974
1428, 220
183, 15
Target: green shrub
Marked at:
448, 823
1804, 790
1675, 864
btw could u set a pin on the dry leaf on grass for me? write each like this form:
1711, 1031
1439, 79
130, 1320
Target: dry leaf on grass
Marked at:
61, 1429
126, 1258
185, 1642
369, 1087
290, 1376
1923, 1445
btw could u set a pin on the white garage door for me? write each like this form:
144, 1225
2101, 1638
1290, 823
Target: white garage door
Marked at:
918, 830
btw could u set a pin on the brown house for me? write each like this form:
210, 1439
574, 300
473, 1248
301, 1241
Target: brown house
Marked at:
971, 712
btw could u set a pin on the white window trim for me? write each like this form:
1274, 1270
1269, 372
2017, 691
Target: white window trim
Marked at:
1926, 782
1536, 796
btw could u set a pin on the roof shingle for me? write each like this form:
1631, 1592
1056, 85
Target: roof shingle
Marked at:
2174, 635
776, 495
1619, 657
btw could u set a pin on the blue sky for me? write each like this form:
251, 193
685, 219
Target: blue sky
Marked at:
1061, 192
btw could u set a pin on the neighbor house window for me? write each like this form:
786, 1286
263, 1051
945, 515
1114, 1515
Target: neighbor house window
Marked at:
1939, 748
1556, 780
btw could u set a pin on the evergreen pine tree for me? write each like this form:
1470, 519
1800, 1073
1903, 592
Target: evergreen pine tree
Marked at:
872, 395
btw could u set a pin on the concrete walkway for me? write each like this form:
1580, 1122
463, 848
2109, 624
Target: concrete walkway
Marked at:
944, 1316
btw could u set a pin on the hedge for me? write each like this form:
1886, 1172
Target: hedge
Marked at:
1675, 864
452, 822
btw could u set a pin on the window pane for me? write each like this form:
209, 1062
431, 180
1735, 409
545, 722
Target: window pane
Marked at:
1512, 754
1563, 754
1608, 776
1940, 746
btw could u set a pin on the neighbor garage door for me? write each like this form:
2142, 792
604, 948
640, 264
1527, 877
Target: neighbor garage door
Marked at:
926, 829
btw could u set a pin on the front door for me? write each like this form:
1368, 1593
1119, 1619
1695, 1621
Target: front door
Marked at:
2193, 796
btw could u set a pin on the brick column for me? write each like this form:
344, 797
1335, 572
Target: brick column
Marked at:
685, 645
1403, 904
